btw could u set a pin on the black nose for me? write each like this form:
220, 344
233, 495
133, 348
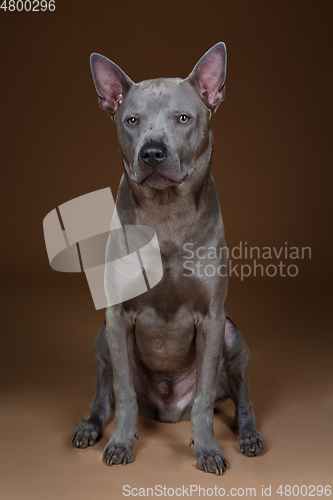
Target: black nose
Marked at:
153, 153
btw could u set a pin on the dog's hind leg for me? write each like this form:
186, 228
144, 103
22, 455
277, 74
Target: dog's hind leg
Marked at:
90, 428
234, 383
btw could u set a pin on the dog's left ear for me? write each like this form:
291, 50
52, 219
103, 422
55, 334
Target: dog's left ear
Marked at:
208, 75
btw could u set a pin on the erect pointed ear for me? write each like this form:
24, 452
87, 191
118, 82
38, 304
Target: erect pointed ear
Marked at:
208, 75
110, 81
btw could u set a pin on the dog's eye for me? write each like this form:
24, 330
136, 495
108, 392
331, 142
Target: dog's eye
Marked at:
132, 120
183, 119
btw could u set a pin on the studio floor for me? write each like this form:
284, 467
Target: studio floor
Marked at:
48, 382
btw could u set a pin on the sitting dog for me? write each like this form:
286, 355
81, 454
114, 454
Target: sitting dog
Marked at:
171, 353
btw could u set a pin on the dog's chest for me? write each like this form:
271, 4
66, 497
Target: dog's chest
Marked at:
164, 321
165, 342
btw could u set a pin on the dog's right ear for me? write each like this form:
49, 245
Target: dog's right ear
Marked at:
110, 81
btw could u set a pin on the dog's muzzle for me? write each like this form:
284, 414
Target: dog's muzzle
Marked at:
156, 168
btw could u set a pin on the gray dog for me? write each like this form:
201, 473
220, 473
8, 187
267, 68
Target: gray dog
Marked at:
172, 353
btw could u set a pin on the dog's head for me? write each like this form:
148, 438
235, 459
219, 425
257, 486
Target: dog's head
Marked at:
162, 123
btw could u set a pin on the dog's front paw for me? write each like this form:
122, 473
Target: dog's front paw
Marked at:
211, 461
118, 453
250, 442
86, 434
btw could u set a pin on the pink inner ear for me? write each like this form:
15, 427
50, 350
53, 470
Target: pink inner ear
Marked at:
108, 80
116, 90
108, 84
112, 98
211, 78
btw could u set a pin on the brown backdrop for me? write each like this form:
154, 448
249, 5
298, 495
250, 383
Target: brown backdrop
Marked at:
272, 167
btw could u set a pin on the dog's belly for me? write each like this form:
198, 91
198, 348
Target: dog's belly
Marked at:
165, 396
164, 364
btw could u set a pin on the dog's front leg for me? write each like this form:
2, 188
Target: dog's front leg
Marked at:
209, 344
120, 337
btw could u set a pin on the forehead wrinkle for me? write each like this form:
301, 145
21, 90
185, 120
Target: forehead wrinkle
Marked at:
161, 87
149, 96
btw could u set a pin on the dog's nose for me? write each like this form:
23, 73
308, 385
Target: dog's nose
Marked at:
153, 153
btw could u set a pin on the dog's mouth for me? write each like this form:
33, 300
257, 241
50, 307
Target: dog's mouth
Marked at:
159, 181
161, 175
